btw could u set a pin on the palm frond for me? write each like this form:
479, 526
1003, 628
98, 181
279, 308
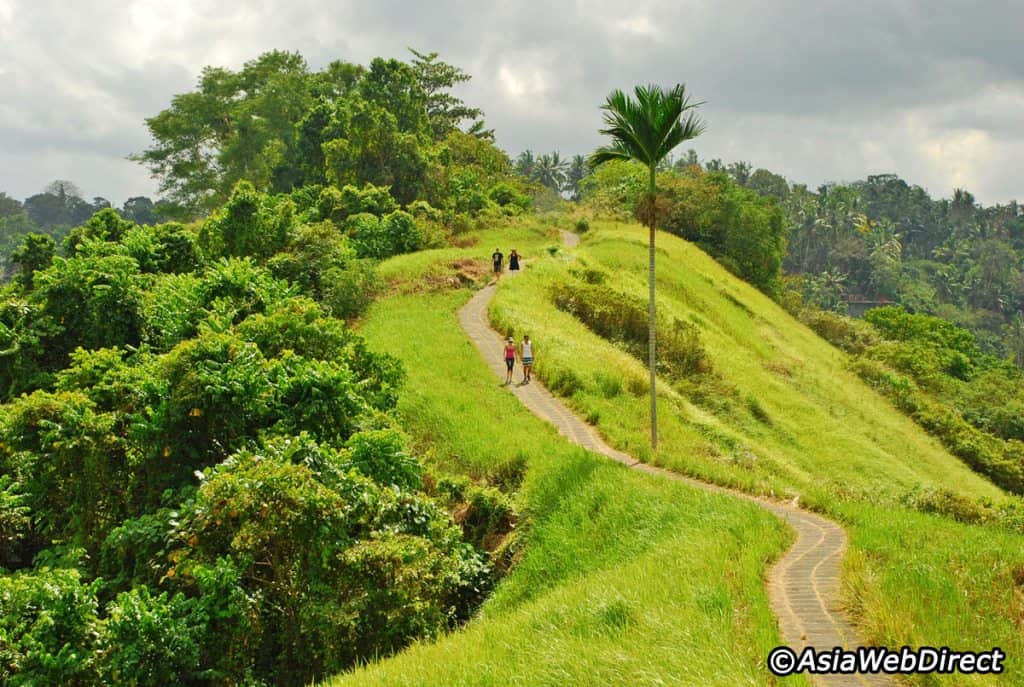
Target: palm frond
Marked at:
647, 126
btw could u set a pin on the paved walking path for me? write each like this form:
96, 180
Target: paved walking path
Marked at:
803, 586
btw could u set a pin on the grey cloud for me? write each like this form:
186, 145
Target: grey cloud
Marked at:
816, 91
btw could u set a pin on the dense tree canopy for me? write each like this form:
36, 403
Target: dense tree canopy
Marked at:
279, 125
202, 479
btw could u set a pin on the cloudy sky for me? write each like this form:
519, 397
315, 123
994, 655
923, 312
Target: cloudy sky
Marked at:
826, 90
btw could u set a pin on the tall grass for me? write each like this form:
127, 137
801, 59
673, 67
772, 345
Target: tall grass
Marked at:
621, 578
793, 420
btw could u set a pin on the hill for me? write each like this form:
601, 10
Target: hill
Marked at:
768, 407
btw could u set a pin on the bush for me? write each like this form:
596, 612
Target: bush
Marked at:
70, 463
948, 503
507, 194
852, 336
565, 382
149, 641
623, 319
48, 629
313, 251
250, 224
343, 571
298, 325
380, 455
349, 292
950, 349
1001, 461
582, 226
609, 386
89, 301
381, 237
15, 521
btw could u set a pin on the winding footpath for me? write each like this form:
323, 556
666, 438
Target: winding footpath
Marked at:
803, 586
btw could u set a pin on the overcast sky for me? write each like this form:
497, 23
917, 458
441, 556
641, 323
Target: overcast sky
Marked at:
932, 90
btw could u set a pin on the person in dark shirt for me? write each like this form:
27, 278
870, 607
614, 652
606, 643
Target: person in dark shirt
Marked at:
513, 261
497, 258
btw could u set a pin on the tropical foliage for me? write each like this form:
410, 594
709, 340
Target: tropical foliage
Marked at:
202, 477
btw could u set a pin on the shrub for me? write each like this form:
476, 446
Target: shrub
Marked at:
172, 310
952, 349
485, 514
507, 194
852, 336
1001, 461
350, 291
609, 386
250, 224
565, 382
343, 572
89, 301
149, 641
234, 288
70, 463
300, 326
948, 503
582, 226
35, 253
380, 455
508, 475
381, 237
623, 319
177, 249
15, 521
48, 626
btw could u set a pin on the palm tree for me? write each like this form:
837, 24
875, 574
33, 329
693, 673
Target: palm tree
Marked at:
646, 130
550, 171
525, 163
578, 171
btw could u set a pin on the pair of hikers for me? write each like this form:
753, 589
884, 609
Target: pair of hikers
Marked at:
525, 354
498, 259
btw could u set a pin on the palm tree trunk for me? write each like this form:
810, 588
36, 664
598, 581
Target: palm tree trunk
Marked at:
652, 322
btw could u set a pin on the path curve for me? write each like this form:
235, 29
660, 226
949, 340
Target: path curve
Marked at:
803, 585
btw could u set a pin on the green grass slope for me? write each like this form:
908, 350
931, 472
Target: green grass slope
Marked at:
622, 579
785, 416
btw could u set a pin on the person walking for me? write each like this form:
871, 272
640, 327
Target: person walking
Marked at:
526, 356
513, 261
510, 359
497, 258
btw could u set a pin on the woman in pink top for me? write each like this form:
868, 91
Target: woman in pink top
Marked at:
510, 358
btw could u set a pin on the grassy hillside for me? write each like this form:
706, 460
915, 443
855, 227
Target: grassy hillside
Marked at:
779, 413
783, 414
621, 579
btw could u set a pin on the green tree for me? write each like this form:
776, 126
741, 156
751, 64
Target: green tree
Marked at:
444, 110
550, 170
8, 206
139, 209
60, 204
577, 171
768, 184
237, 125
35, 253
365, 144
525, 163
646, 130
